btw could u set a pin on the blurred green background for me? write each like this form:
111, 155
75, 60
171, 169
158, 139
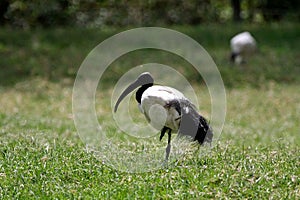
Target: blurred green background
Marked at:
94, 13
51, 39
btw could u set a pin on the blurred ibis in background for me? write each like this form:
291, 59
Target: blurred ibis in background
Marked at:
167, 110
243, 45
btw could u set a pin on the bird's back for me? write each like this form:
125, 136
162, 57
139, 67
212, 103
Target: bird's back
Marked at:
243, 43
155, 105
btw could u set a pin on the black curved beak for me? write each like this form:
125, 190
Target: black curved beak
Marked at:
144, 78
129, 89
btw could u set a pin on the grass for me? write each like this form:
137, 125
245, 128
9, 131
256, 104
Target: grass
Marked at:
47, 53
42, 157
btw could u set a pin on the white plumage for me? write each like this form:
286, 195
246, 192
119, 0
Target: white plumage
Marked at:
242, 46
153, 104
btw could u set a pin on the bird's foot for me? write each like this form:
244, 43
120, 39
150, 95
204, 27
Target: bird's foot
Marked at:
165, 163
168, 149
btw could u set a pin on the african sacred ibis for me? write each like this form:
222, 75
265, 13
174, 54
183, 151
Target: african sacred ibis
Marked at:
242, 46
176, 112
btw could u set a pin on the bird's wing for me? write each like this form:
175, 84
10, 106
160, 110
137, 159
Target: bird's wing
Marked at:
162, 96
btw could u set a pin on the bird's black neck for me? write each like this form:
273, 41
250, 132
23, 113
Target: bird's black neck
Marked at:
233, 56
141, 90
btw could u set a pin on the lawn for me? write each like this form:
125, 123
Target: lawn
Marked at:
41, 155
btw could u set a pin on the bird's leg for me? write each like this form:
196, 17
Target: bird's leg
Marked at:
162, 133
168, 149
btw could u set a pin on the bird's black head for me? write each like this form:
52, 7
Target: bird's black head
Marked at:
145, 80
233, 56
